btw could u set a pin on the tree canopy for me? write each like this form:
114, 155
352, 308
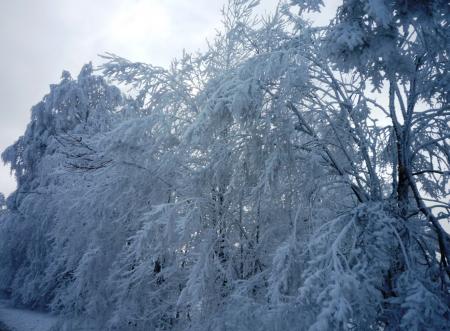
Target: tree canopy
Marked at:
289, 177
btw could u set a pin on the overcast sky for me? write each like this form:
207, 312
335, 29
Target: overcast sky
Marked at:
39, 39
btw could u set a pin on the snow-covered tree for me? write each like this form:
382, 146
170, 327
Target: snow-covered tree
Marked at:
289, 177
56, 139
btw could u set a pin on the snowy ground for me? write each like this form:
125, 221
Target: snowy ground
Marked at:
12, 319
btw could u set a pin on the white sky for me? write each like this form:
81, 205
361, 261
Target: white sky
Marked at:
39, 39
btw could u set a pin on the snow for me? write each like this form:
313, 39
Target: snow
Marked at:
24, 320
247, 188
